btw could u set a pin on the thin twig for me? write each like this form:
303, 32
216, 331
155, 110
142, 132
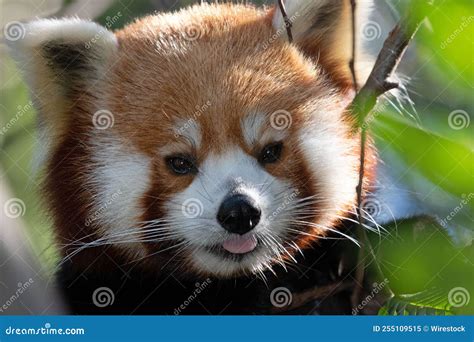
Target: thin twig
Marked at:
360, 267
377, 84
353, 54
387, 61
287, 20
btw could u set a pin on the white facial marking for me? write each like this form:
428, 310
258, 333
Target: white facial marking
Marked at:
252, 126
218, 176
190, 131
120, 178
330, 159
257, 130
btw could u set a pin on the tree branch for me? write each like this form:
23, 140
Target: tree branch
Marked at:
360, 267
387, 61
377, 84
353, 54
287, 20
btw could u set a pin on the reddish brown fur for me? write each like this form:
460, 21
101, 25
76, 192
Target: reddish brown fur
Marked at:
150, 86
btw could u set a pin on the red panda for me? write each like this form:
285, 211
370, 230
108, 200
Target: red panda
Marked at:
195, 146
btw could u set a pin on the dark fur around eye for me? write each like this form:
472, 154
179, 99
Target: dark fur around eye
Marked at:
271, 153
181, 165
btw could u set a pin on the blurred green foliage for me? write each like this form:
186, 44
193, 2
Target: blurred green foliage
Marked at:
449, 44
446, 163
422, 266
436, 141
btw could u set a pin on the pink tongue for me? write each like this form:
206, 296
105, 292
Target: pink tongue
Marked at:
240, 244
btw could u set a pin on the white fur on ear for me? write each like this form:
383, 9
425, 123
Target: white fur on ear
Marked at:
68, 30
302, 13
322, 29
71, 31
60, 59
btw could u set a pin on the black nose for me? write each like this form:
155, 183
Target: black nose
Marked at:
239, 214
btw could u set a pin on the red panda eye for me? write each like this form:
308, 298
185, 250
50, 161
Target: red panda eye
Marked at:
271, 153
181, 165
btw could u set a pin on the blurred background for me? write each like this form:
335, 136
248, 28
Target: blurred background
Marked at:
426, 142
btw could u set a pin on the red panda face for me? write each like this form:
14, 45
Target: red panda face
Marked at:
226, 151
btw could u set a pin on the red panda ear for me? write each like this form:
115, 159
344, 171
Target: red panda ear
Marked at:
322, 29
61, 59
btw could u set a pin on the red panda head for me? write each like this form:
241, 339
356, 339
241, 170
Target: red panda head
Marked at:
199, 138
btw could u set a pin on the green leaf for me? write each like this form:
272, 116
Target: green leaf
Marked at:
429, 302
